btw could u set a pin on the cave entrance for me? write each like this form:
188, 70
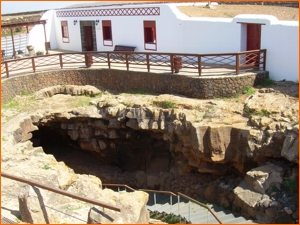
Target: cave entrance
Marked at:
105, 151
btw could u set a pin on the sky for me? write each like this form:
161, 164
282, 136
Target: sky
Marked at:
25, 6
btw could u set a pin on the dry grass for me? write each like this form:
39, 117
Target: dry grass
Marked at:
230, 11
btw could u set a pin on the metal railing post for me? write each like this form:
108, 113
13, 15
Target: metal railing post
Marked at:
172, 63
206, 216
60, 61
189, 215
265, 57
108, 60
171, 204
237, 64
127, 63
148, 62
154, 196
199, 65
179, 208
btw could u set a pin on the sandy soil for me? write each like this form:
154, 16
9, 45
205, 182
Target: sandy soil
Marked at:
230, 11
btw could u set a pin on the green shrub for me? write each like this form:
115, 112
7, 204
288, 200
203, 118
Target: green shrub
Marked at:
18, 29
168, 218
165, 104
46, 167
251, 112
263, 112
171, 219
248, 90
12, 103
291, 184
267, 82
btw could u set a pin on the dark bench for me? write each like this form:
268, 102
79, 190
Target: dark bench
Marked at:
122, 48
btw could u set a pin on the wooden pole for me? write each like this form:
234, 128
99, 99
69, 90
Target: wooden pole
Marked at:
199, 65
13, 42
237, 64
46, 45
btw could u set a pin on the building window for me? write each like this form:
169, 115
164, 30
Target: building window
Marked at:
64, 31
150, 35
107, 33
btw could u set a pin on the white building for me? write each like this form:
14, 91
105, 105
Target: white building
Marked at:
163, 28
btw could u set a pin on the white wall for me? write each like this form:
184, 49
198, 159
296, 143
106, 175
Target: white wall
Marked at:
51, 30
74, 34
37, 35
126, 30
176, 32
281, 41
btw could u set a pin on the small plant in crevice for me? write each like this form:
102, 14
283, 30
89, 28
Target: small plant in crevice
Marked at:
248, 90
267, 82
82, 101
207, 203
295, 122
71, 207
18, 220
46, 167
129, 105
25, 93
205, 115
12, 103
168, 218
253, 112
165, 104
291, 184
263, 112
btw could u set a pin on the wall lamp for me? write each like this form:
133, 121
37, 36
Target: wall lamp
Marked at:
75, 21
97, 22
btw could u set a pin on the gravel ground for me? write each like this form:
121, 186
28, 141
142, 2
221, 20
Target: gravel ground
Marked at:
230, 11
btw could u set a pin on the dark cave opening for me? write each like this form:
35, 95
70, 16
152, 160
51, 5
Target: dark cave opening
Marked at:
131, 151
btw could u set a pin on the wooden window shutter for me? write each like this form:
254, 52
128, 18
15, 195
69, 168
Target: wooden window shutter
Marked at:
106, 23
149, 24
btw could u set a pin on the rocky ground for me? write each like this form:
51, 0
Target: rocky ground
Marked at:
278, 103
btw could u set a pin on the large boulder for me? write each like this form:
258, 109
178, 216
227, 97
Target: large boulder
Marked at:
136, 212
40, 206
264, 177
290, 149
246, 198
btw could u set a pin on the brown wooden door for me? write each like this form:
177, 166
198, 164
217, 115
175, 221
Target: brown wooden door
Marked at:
253, 43
253, 36
88, 38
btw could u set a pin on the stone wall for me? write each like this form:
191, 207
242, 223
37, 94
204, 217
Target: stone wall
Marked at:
122, 81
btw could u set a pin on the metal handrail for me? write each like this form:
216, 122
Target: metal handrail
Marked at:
172, 194
168, 58
118, 185
203, 205
159, 192
62, 192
